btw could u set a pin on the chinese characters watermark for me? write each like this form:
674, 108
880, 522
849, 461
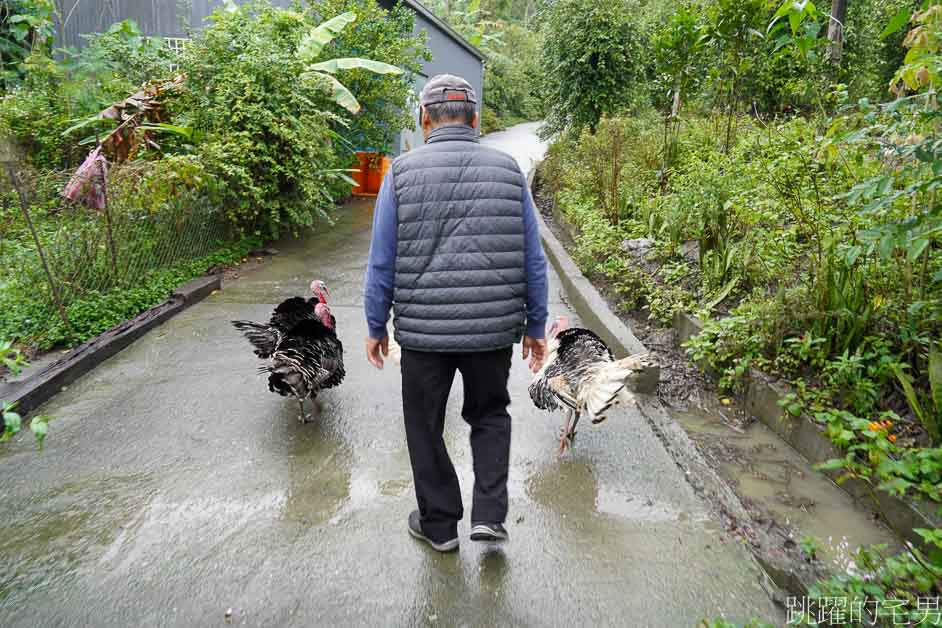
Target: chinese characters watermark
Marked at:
841, 611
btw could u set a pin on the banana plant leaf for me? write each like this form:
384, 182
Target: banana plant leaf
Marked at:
332, 66
341, 95
313, 43
84, 122
172, 129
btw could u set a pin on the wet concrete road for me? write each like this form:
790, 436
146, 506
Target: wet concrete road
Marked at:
174, 486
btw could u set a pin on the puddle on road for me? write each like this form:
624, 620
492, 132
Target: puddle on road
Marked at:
572, 486
45, 538
771, 476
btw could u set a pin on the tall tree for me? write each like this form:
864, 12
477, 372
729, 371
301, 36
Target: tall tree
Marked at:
836, 30
593, 59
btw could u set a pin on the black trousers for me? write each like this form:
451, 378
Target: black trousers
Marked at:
426, 381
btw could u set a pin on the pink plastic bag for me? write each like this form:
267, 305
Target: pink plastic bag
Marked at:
88, 183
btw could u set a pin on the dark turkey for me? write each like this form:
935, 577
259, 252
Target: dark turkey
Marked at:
288, 313
581, 375
301, 342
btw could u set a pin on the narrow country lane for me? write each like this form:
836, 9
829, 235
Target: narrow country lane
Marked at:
174, 486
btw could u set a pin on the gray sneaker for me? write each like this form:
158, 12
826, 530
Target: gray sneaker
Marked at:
415, 529
483, 531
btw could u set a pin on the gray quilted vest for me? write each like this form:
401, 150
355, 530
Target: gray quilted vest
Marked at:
460, 281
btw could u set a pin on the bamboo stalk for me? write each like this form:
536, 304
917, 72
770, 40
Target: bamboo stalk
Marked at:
24, 206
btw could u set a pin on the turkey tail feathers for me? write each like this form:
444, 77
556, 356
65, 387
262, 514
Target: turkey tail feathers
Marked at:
263, 338
395, 352
611, 383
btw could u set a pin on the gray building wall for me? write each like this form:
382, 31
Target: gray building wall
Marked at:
449, 56
153, 16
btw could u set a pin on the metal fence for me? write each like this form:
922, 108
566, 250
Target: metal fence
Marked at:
60, 252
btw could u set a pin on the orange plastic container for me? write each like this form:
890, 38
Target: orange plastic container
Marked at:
360, 177
373, 167
374, 176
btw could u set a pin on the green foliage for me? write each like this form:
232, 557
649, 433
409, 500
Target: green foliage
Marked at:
886, 588
33, 320
678, 50
511, 85
119, 60
50, 96
810, 547
12, 422
26, 27
268, 128
11, 358
501, 30
871, 52
311, 49
593, 61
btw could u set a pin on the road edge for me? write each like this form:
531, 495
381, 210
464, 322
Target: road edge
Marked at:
31, 393
783, 575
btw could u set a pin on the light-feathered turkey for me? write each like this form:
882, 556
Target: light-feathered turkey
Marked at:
300, 340
581, 375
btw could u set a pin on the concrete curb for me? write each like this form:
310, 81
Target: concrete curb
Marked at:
806, 436
44, 385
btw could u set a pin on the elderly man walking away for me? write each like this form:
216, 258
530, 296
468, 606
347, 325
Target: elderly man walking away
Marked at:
456, 253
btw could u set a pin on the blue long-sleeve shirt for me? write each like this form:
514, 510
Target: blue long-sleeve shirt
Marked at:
381, 267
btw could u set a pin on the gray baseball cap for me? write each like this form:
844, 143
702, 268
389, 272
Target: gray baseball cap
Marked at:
447, 88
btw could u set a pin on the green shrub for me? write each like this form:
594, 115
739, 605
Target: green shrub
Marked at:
115, 63
31, 319
511, 80
490, 121
269, 128
387, 36
593, 57
264, 132
35, 114
52, 95
26, 27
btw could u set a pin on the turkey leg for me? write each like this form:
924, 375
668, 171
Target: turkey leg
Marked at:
303, 418
567, 432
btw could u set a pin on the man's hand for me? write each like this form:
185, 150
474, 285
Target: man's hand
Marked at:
535, 349
376, 349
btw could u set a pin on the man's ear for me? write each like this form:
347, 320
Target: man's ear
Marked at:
474, 120
424, 120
